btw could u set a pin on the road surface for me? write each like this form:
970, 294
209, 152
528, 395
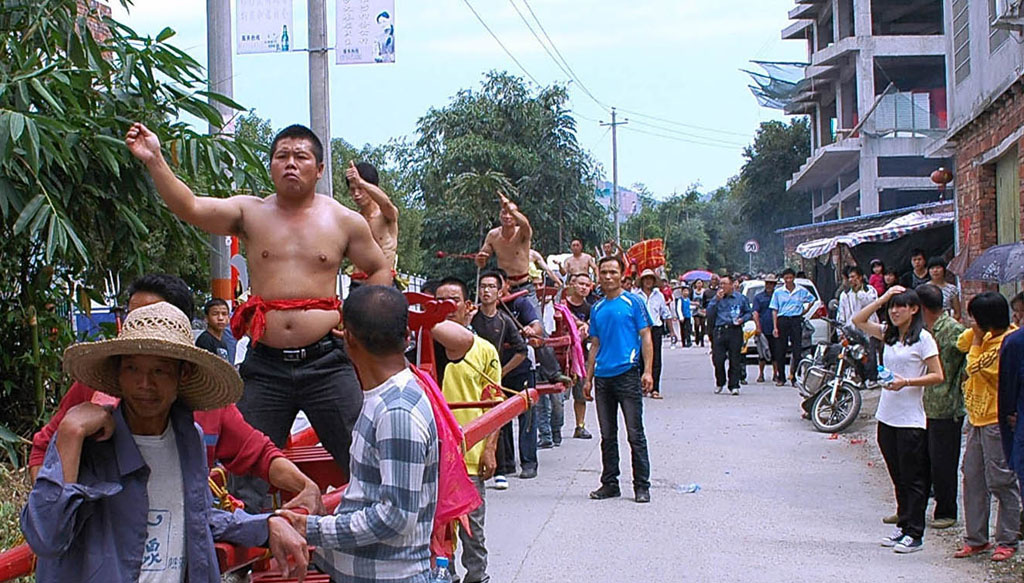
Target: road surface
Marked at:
778, 501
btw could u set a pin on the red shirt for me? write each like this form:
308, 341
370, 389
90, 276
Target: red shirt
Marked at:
241, 448
667, 292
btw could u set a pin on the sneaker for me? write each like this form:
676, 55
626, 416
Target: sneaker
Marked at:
546, 444
557, 443
940, 523
528, 474
908, 544
760, 378
500, 483
970, 551
891, 519
581, 433
642, 495
605, 492
743, 381
719, 390
734, 392
891, 540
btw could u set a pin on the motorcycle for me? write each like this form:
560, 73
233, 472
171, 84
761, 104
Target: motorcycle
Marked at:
830, 379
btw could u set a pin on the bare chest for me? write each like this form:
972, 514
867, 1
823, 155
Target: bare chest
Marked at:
299, 245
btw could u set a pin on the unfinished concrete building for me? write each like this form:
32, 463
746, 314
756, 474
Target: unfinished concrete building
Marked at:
875, 90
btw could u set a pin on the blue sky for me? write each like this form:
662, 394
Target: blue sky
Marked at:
673, 59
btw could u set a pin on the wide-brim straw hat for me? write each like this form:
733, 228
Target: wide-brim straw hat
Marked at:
158, 329
771, 278
649, 273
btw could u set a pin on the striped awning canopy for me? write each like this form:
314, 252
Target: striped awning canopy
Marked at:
894, 229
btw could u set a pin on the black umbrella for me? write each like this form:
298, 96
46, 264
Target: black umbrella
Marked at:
998, 264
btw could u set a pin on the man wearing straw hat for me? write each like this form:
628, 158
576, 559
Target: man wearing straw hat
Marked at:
122, 494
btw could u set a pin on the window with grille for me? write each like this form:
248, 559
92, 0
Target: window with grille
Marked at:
961, 40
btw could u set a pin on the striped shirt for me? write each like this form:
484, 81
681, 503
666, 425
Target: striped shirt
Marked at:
381, 529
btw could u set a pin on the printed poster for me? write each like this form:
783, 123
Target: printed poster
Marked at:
365, 31
264, 26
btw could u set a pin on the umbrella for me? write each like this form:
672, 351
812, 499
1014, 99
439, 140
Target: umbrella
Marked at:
998, 264
695, 274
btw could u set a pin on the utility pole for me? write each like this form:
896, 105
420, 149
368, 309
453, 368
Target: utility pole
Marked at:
615, 175
320, 88
219, 70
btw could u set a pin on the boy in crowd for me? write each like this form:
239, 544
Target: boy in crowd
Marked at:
213, 338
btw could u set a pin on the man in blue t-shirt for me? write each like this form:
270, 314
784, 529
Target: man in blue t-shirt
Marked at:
619, 331
765, 328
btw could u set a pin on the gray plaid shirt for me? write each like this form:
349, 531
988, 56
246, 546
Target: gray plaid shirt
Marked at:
381, 529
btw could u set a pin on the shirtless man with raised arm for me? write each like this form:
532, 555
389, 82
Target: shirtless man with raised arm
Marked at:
295, 240
579, 262
510, 244
375, 206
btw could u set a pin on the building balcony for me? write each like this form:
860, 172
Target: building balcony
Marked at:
826, 164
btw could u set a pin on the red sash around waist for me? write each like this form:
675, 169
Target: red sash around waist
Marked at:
251, 316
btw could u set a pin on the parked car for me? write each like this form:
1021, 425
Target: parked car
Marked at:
817, 316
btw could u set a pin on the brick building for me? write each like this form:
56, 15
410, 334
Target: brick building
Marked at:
95, 11
986, 135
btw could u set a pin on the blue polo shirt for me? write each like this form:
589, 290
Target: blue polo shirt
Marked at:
789, 303
617, 323
762, 305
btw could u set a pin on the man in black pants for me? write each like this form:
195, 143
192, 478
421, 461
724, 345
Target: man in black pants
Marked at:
726, 314
789, 305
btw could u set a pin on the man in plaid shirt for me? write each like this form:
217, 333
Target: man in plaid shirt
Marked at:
381, 530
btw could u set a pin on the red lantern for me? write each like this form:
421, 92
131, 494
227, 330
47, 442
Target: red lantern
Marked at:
942, 177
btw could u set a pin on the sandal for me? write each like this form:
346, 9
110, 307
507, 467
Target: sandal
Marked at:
1002, 553
970, 551
655, 395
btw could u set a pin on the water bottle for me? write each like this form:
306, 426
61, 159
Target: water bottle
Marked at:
885, 376
284, 38
440, 574
688, 488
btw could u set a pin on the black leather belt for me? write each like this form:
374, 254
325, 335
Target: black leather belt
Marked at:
315, 350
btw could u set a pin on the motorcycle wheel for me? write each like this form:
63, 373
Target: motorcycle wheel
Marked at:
833, 417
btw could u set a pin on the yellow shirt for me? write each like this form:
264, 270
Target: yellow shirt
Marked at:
463, 382
981, 389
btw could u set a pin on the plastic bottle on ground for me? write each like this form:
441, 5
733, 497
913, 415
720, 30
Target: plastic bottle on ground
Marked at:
688, 488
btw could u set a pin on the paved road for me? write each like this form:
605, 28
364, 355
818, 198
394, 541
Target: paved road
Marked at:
779, 502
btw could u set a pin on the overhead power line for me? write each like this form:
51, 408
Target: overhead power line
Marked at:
501, 44
685, 125
571, 72
684, 140
687, 134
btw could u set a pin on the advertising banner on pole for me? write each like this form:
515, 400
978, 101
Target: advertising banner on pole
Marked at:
264, 26
365, 31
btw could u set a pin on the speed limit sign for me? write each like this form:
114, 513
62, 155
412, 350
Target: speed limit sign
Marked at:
751, 246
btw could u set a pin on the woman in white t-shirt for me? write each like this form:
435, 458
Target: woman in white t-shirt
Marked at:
911, 354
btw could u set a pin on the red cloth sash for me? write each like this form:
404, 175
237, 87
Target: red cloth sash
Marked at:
251, 316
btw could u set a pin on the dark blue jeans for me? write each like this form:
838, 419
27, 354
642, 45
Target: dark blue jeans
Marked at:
611, 393
325, 388
506, 453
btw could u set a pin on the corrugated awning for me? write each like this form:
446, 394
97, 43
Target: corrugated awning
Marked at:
894, 229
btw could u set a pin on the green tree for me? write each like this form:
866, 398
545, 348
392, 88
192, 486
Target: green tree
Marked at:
777, 152
75, 207
529, 138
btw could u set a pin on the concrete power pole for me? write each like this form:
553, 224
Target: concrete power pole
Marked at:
615, 175
320, 88
219, 70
